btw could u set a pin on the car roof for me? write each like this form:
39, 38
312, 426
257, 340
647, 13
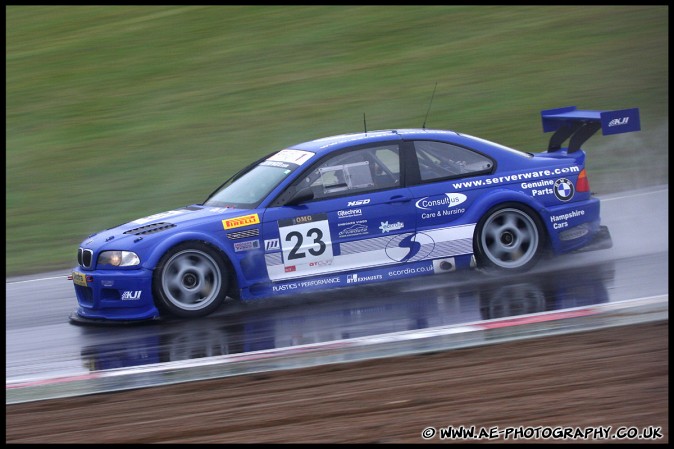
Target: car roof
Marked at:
332, 143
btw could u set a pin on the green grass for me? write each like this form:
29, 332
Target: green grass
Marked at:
117, 112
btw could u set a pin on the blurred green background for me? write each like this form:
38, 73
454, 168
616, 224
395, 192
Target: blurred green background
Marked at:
117, 112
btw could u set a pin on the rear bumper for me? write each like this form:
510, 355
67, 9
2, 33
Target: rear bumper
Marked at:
577, 226
602, 240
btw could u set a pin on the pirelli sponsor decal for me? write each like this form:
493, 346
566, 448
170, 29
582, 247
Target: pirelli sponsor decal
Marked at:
238, 222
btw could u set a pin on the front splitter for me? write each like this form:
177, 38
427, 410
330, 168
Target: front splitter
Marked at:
77, 319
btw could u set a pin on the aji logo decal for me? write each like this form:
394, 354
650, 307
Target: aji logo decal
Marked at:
131, 295
450, 200
618, 121
240, 221
564, 189
411, 247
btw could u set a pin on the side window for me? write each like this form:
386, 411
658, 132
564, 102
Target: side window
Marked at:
438, 160
339, 178
388, 166
356, 171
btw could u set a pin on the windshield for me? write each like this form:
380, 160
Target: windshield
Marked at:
247, 189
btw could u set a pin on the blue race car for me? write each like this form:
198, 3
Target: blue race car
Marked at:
353, 209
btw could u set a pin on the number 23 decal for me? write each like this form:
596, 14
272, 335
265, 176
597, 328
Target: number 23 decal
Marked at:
297, 236
306, 242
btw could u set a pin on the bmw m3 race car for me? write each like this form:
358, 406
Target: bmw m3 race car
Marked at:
353, 209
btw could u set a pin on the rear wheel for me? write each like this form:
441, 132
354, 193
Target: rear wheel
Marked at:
509, 237
190, 280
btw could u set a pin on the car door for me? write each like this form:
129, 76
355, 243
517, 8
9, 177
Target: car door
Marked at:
358, 218
442, 228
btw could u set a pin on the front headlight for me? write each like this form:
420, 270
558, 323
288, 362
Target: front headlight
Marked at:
118, 258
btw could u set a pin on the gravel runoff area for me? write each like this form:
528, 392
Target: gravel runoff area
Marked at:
581, 383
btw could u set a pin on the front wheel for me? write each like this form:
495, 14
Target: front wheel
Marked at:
190, 280
509, 238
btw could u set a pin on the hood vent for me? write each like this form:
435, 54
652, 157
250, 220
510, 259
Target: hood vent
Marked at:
150, 229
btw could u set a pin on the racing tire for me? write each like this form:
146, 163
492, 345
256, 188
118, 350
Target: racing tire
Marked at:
509, 237
190, 280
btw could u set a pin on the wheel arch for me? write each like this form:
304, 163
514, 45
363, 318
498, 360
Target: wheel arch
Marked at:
502, 198
178, 239
485, 258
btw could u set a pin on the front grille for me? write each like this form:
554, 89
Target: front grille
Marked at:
84, 257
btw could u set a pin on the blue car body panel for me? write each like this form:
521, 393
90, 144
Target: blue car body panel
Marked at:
412, 228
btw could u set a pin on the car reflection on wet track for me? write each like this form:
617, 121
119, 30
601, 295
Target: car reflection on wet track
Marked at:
348, 313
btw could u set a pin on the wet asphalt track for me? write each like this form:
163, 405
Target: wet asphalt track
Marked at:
42, 343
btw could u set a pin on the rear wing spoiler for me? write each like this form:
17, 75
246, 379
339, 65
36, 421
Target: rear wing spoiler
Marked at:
581, 125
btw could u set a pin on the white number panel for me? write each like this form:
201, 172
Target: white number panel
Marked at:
306, 244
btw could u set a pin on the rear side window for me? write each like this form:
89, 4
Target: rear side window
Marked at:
439, 160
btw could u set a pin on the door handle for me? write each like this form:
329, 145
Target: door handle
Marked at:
398, 199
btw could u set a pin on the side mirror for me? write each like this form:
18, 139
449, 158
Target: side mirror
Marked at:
301, 196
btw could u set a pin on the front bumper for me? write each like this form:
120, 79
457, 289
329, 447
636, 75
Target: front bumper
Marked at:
123, 295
